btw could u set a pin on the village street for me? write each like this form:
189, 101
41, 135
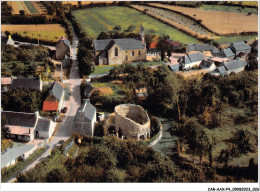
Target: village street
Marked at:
64, 131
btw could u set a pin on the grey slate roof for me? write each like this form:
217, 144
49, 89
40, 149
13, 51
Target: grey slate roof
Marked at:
88, 90
14, 153
191, 47
206, 64
195, 57
215, 50
235, 64
88, 109
43, 124
228, 52
240, 46
125, 44
65, 40
174, 67
222, 70
57, 90
30, 83
203, 47
20, 118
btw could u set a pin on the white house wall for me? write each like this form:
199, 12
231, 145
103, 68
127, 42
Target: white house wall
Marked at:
190, 65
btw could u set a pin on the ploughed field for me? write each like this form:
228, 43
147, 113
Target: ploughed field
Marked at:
221, 22
85, 2
29, 7
48, 32
96, 20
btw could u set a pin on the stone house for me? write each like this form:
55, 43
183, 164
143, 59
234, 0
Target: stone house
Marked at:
234, 66
190, 60
21, 125
202, 48
27, 83
12, 156
85, 119
5, 84
208, 65
24, 126
240, 47
62, 48
54, 101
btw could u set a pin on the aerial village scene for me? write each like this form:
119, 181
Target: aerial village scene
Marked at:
129, 92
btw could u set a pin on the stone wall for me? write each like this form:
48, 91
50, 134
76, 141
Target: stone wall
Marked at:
132, 121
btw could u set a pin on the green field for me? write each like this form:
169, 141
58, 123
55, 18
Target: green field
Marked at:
30, 7
96, 20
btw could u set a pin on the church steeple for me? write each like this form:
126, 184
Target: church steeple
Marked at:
142, 34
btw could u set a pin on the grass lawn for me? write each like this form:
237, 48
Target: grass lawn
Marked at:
96, 20
30, 7
8, 173
5, 143
101, 69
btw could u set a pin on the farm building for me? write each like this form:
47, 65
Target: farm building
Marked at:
44, 128
190, 60
240, 47
119, 51
12, 156
227, 53
27, 82
85, 119
5, 83
54, 101
235, 66
62, 48
202, 48
21, 125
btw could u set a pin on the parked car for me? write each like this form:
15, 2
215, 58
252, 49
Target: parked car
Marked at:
64, 110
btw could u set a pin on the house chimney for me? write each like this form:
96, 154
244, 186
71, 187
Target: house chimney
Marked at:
142, 34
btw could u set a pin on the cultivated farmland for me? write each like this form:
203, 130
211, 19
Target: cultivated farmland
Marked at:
221, 22
176, 20
96, 20
29, 7
85, 2
49, 32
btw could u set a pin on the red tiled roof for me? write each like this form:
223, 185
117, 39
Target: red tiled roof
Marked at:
6, 81
50, 105
153, 45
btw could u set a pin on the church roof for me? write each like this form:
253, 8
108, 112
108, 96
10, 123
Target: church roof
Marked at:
125, 44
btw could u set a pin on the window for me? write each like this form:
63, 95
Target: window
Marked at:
139, 52
133, 53
116, 52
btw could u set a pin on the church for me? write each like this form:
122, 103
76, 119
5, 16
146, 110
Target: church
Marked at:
119, 51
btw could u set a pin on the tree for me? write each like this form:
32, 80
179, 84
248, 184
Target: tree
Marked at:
80, 4
22, 12
117, 28
163, 46
57, 175
103, 35
131, 28
4, 129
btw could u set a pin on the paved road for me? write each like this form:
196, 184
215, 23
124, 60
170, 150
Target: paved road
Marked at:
65, 130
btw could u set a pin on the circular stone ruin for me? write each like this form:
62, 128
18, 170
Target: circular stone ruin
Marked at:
132, 122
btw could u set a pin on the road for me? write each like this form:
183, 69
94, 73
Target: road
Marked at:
65, 129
